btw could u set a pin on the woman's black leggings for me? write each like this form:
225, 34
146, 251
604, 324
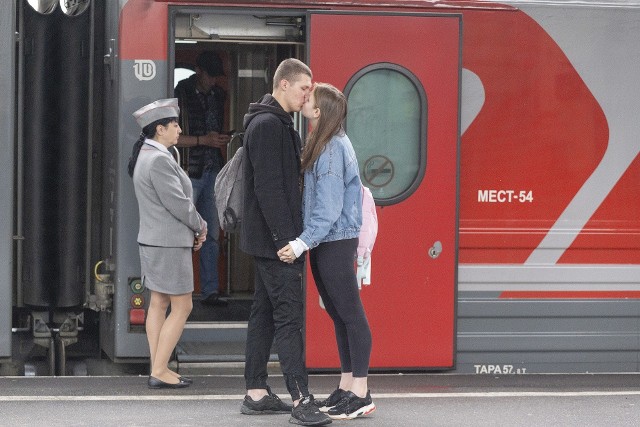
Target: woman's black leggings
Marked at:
332, 265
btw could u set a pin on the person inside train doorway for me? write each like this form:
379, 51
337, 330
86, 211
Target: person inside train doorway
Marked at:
170, 228
272, 216
201, 102
332, 201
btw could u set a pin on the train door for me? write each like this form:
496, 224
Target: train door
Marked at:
401, 75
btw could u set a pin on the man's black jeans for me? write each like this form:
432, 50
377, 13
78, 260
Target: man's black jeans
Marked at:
277, 312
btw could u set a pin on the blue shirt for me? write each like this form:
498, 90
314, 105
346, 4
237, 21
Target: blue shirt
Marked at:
332, 196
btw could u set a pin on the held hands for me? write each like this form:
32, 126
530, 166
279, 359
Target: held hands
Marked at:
215, 140
287, 255
293, 250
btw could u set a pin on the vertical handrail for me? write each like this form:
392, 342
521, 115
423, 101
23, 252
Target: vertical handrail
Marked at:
89, 194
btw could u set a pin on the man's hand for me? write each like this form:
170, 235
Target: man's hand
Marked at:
215, 140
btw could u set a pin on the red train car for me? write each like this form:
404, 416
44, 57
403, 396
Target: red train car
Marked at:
498, 138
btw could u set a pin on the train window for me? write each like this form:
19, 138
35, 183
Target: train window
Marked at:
387, 126
43, 6
74, 7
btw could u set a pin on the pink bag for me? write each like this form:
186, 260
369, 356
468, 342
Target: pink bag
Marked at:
367, 237
369, 229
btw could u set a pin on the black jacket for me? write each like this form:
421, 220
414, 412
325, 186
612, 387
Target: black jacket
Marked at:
272, 210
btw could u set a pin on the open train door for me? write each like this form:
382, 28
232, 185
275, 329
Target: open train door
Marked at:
401, 74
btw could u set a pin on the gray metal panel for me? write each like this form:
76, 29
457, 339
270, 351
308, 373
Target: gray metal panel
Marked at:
547, 362
548, 335
549, 341
504, 308
109, 165
7, 124
120, 228
553, 277
551, 325
555, 335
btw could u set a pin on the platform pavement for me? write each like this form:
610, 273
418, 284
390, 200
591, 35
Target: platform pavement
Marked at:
408, 399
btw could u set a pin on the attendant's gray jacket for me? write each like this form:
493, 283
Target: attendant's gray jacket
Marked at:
168, 217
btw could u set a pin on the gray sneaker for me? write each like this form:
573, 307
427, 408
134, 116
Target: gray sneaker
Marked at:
269, 404
308, 414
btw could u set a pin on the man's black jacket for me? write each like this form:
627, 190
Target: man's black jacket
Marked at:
272, 210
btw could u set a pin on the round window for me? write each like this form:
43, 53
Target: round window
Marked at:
386, 122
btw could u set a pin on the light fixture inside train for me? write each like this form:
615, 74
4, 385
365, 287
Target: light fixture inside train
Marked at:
43, 6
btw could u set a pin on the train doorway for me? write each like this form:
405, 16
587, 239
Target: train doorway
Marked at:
250, 44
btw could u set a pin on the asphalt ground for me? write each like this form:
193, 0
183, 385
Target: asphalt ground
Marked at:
409, 399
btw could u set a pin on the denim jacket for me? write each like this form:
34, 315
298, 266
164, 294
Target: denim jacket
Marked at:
332, 197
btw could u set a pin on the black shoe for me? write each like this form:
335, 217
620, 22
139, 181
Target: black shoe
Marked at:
153, 382
333, 399
214, 300
185, 379
269, 404
308, 414
352, 406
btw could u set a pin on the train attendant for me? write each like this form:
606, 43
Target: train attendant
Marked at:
332, 205
170, 228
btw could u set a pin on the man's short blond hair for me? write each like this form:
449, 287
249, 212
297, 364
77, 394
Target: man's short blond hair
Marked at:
290, 69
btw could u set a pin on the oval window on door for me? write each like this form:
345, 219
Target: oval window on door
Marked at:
386, 122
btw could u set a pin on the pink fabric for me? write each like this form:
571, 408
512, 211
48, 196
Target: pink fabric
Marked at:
369, 229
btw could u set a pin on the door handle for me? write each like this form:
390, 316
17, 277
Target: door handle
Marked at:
435, 250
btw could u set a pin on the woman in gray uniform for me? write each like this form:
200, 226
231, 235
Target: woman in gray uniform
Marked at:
170, 228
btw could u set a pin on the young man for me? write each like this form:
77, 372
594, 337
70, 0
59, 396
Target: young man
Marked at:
202, 119
272, 216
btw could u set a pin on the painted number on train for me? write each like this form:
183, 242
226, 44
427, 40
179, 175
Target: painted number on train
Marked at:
499, 369
144, 69
505, 196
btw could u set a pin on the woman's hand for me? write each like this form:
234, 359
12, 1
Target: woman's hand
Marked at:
199, 239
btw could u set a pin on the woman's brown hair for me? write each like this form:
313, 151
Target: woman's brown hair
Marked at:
333, 111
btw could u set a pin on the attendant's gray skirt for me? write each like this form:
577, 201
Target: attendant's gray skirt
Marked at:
167, 270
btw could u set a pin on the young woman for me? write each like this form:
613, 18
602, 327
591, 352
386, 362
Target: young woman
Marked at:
332, 204
170, 228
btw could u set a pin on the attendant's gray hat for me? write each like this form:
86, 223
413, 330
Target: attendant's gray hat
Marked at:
160, 109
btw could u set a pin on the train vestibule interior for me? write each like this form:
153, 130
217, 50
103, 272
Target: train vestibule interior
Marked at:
250, 45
